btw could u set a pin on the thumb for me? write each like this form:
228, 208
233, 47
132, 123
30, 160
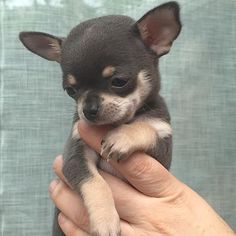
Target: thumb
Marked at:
142, 171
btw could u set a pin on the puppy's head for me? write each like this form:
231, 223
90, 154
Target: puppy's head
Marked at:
109, 64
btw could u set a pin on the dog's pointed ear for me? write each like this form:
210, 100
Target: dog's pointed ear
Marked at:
42, 44
159, 27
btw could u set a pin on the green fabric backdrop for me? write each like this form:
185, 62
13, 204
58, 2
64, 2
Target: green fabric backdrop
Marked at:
198, 82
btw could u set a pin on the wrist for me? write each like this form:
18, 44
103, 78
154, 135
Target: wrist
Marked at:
207, 222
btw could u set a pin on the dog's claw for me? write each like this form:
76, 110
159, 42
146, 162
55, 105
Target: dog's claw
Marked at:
121, 157
116, 145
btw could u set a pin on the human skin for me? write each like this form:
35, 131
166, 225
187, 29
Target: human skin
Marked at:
153, 202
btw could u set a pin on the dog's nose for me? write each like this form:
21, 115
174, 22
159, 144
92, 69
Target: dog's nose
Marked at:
90, 111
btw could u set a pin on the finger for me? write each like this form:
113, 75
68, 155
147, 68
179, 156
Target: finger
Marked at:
129, 202
127, 199
147, 175
74, 210
69, 228
142, 171
57, 167
69, 203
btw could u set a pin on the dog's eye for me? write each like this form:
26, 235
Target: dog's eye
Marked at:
118, 82
70, 91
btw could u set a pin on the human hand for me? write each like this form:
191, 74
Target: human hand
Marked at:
155, 202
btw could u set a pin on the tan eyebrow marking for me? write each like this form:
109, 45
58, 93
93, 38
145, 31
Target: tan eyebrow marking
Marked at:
108, 71
71, 79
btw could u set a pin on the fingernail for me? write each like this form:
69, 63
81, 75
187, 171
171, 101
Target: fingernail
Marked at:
53, 184
61, 219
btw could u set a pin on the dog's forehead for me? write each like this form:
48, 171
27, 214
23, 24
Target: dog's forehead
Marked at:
96, 43
101, 29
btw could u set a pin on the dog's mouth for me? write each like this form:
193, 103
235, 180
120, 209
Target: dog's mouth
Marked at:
114, 115
110, 118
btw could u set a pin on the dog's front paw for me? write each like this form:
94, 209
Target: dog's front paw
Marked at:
117, 144
106, 226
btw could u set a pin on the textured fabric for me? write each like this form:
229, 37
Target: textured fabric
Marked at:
198, 82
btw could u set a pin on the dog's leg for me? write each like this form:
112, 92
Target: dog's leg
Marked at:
98, 199
139, 135
80, 171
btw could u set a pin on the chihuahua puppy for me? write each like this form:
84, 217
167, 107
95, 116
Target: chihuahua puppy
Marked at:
109, 67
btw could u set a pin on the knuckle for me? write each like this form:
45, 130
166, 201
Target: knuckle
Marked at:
141, 167
57, 164
83, 220
57, 191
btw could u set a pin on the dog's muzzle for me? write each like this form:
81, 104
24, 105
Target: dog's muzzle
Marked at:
91, 106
